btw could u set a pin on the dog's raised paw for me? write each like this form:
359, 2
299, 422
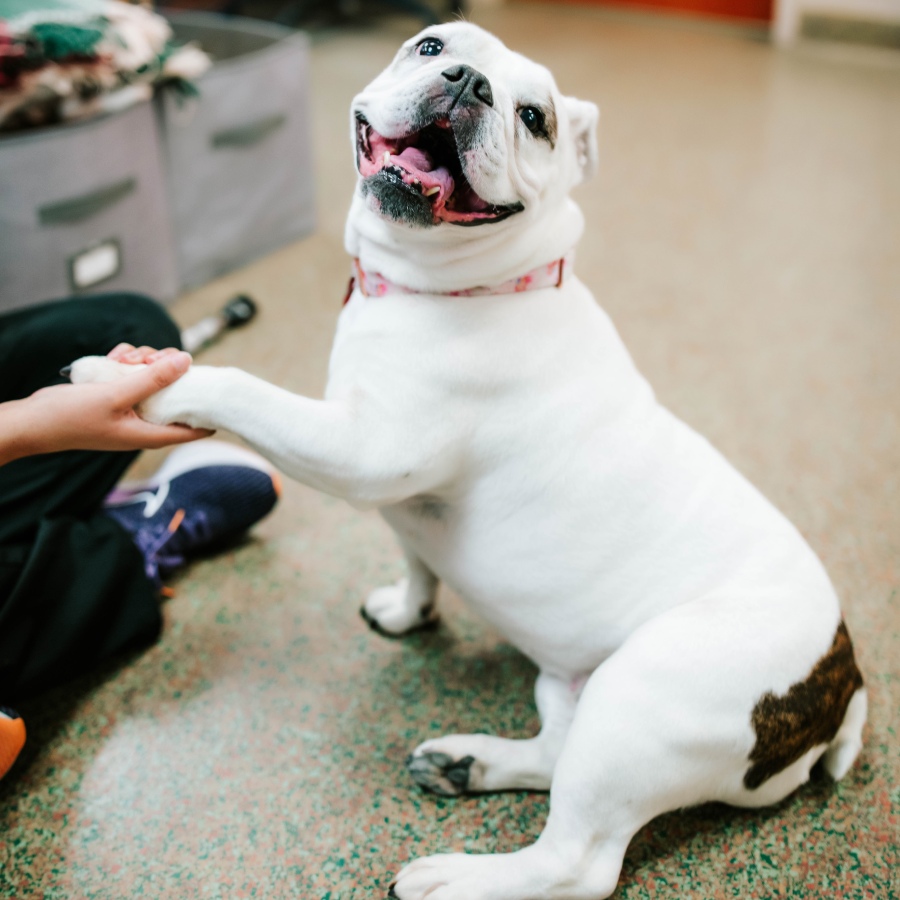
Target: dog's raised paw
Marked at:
440, 773
96, 369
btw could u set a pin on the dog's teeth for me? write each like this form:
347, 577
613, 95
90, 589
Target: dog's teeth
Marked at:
387, 156
432, 191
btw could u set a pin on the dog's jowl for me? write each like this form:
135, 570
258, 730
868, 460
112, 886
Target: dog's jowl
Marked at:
689, 641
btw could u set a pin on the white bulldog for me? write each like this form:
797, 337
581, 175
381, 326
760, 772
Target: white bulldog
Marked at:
690, 644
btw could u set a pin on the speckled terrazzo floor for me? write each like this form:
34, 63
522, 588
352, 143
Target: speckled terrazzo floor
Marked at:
744, 233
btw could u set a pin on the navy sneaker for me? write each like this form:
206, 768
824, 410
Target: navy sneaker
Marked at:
205, 494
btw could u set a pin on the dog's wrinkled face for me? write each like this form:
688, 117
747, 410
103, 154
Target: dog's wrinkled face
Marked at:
460, 130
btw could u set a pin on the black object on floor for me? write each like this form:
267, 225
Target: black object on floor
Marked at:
238, 311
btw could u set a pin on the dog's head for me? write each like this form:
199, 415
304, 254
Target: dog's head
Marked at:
461, 131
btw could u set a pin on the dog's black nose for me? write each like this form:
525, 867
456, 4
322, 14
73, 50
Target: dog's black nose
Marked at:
472, 85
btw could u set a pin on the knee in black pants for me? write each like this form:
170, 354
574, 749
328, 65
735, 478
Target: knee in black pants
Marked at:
37, 341
145, 320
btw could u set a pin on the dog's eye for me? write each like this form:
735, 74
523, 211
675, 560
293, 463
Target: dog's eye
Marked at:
430, 47
533, 119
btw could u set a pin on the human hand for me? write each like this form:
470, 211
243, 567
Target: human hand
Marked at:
131, 355
98, 416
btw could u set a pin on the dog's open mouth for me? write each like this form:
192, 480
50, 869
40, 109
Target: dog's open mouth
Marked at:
426, 164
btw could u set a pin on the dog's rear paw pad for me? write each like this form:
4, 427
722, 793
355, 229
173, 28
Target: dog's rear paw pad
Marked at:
440, 773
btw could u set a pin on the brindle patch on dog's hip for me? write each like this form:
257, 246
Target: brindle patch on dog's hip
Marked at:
809, 714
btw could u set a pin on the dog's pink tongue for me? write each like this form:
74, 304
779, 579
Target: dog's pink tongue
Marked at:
416, 159
419, 163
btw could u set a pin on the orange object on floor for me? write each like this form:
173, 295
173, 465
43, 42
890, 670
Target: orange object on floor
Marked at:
12, 738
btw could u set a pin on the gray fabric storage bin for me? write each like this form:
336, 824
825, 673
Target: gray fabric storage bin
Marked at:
83, 209
238, 156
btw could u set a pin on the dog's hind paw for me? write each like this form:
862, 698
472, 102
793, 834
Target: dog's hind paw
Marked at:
392, 612
439, 772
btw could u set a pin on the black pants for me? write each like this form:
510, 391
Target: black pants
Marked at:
72, 585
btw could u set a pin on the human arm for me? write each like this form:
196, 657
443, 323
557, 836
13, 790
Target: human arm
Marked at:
359, 447
95, 416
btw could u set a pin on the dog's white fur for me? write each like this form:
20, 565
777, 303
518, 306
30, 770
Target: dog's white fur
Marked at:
520, 457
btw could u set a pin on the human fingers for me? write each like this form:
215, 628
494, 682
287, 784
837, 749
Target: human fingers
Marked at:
146, 436
159, 374
119, 352
159, 354
138, 355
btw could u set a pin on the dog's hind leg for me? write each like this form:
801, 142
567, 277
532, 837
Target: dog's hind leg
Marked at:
847, 743
460, 763
406, 606
618, 769
664, 723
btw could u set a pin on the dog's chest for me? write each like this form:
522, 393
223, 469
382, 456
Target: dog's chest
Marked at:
565, 469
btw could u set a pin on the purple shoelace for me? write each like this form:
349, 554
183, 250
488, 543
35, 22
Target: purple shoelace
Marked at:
152, 543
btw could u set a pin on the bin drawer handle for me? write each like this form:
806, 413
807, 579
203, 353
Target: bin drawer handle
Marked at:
77, 208
247, 135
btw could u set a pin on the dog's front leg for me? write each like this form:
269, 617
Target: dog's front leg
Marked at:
459, 763
406, 606
356, 448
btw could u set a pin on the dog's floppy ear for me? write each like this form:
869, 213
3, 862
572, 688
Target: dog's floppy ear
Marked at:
583, 118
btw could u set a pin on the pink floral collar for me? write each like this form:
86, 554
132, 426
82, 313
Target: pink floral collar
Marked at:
551, 275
